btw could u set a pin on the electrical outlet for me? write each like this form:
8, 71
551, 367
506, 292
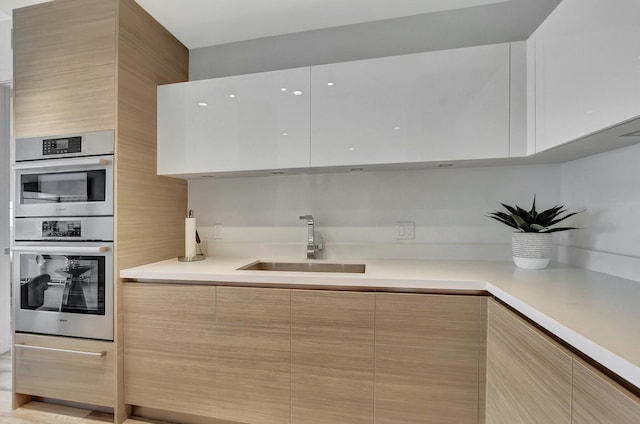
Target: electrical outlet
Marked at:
217, 231
405, 230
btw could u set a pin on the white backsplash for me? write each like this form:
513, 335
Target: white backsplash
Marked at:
608, 187
357, 212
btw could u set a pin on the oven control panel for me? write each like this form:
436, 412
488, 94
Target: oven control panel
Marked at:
57, 146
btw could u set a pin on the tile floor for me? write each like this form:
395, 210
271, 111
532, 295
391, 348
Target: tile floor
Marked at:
43, 413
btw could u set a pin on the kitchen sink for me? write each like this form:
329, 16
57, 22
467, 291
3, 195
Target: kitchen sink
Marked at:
304, 267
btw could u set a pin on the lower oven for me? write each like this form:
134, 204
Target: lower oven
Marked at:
64, 287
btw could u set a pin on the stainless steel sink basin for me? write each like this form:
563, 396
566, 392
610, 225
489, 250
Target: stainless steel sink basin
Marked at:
304, 267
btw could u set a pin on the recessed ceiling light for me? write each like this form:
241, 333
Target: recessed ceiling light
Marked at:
297, 93
330, 84
285, 134
351, 149
396, 128
233, 96
203, 104
283, 89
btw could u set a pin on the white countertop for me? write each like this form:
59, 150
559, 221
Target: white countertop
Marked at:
596, 313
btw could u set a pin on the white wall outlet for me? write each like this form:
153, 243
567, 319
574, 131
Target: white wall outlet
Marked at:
217, 231
405, 230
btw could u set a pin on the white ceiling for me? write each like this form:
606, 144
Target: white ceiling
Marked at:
199, 23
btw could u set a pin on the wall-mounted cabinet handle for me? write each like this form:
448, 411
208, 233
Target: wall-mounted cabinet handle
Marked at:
54, 349
61, 249
57, 163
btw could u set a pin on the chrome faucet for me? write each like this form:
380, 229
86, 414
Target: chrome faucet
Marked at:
312, 245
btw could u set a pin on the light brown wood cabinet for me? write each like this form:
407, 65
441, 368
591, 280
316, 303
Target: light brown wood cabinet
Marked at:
598, 400
528, 375
332, 353
253, 355
63, 368
90, 65
169, 349
427, 350
64, 67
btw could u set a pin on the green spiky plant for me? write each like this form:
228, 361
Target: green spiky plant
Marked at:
533, 221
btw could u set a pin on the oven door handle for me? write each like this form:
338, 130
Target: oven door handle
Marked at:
61, 249
55, 349
57, 163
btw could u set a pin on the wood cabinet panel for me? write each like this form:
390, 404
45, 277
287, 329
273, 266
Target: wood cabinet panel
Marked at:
332, 353
75, 377
64, 35
426, 358
528, 376
253, 355
598, 400
169, 347
67, 102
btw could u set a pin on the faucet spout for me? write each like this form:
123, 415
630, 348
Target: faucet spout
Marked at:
314, 240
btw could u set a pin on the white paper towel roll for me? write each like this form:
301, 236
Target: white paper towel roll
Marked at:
189, 237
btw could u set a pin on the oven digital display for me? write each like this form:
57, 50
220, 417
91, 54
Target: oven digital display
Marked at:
61, 229
56, 146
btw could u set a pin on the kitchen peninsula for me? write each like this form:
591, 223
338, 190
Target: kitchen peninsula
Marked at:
588, 318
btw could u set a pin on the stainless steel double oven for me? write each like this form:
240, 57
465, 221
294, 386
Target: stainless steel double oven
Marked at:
63, 235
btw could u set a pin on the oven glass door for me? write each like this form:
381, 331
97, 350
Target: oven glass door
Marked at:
64, 289
62, 283
65, 187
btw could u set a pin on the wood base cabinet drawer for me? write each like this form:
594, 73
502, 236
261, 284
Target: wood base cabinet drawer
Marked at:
64, 368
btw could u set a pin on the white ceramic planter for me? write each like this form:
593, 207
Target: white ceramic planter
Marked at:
531, 250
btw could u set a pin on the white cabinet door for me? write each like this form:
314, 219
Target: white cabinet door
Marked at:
239, 123
435, 106
587, 61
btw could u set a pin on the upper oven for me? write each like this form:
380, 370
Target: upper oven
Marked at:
65, 176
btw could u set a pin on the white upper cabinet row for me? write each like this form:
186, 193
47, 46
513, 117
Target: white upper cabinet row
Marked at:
586, 57
436, 106
578, 75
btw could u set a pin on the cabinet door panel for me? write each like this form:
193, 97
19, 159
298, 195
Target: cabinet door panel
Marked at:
253, 359
64, 375
74, 34
596, 400
444, 105
169, 347
332, 357
65, 103
260, 127
528, 377
587, 62
427, 354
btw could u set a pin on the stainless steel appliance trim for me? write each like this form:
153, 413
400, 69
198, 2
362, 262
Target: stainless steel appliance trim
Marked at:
55, 349
93, 143
67, 163
61, 249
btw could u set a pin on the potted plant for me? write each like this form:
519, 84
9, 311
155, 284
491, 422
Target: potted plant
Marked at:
531, 243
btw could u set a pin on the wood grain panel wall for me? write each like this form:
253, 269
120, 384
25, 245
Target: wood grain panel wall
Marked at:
528, 376
78, 100
149, 209
332, 353
427, 358
60, 36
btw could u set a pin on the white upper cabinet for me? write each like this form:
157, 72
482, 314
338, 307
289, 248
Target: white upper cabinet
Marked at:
240, 123
436, 106
587, 69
